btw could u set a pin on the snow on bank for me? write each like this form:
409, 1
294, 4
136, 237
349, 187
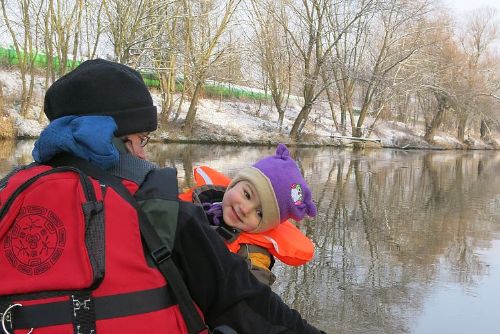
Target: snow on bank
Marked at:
11, 86
242, 122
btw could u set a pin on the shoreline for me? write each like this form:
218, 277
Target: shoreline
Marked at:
354, 144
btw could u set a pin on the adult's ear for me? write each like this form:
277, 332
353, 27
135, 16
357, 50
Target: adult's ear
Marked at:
119, 144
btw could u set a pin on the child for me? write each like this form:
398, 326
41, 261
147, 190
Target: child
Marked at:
251, 212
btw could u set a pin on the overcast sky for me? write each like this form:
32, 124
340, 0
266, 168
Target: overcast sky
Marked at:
465, 5
460, 7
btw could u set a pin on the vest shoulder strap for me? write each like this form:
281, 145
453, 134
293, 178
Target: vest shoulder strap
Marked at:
159, 251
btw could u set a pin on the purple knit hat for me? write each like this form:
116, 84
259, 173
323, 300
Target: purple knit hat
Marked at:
283, 192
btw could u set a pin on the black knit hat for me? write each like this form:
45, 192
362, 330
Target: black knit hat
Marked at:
101, 87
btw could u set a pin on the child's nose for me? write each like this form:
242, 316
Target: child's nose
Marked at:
246, 208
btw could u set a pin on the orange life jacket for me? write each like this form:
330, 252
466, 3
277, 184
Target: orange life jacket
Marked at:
286, 242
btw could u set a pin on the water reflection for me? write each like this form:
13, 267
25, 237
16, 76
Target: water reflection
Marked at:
395, 230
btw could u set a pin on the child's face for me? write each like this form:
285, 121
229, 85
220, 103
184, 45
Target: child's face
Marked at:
241, 207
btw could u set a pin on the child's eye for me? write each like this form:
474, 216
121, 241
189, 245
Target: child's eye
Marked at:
247, 195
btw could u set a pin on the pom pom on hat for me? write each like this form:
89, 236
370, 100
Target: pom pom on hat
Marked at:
283, 192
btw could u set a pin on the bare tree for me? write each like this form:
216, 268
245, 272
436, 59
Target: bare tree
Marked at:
2, 111
92, 27
273, 51
145, 35
205, 22
50, 75
65, 19
23, 21
441, 64
345, 59
159, 50
368, 61
228, 68
489, 112
131, 24
306, 23
480, 31
67, 26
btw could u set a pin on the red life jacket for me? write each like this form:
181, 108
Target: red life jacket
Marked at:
72, 259
286, 242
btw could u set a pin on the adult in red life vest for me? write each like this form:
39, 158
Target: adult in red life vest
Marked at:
251, 213
100, 116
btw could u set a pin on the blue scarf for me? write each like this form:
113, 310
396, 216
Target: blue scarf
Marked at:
87, 137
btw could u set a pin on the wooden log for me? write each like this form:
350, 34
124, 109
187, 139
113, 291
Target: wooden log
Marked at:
375, 140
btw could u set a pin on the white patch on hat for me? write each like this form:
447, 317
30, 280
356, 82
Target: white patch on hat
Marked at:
296, 194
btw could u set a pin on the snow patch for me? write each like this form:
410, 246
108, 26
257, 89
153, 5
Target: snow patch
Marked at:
234, 121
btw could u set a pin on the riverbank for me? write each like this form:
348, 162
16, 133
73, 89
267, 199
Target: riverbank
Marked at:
245, 123
385, 135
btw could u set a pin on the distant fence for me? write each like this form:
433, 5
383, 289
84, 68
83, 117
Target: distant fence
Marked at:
8, 56
151, 79
216, 90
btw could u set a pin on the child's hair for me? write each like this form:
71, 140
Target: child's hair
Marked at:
282, 190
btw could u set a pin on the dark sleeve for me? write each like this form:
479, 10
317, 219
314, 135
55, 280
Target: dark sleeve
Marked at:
222, 286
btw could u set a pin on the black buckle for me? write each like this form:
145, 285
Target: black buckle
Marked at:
161, 254
228, 234
7, 317
83, 308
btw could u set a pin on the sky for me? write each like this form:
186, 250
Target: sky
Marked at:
462, 7
466, 5
459, 6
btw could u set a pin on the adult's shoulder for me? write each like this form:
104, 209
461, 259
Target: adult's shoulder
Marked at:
192, 214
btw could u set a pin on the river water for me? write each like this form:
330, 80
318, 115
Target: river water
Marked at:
406, 241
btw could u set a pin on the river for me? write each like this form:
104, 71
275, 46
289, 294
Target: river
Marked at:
406, 241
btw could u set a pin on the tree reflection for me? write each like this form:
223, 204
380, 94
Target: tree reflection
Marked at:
391, 226
388, 223
7, 148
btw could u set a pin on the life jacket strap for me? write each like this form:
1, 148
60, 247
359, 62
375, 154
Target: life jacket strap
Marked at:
81, 311
159, 251
228, 233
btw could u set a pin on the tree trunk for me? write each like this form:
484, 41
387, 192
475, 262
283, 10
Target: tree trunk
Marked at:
278, 103
331, 103
191, 114
343, 121
179, 107
357, 131
165, 111
23, 110
281, 116
2, 112
166, 98
438, 117
462, 121
300, 121
484, 130
257, 112
346, 108
332, 108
